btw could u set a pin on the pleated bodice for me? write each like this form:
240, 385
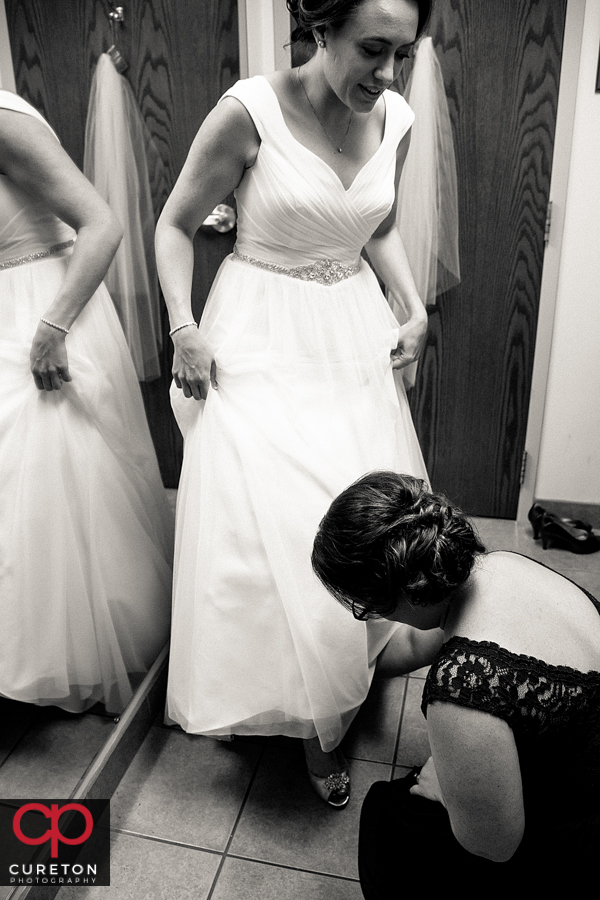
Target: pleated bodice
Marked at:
292, 207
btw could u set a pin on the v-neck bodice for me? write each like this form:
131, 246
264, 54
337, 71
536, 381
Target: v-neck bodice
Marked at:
324, 162
292, 206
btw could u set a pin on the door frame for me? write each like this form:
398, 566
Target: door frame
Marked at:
7, 71
559, 183
264, 29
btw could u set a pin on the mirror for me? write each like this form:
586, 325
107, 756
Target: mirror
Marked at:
177, 72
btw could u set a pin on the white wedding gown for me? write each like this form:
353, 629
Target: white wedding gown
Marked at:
85, 527
307, 402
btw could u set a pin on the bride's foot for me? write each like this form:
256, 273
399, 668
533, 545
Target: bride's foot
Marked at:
328, 774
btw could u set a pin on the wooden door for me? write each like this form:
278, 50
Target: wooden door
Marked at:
501, 67
182, 56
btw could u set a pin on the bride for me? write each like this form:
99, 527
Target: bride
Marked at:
290, 388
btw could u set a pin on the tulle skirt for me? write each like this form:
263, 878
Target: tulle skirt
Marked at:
306, 403
85, 528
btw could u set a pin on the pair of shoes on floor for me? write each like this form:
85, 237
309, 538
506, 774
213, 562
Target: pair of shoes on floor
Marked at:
571, 534
334, 789
536, 515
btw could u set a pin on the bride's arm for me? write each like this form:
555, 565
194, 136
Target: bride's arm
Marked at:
32, 158
388, 257
226, 144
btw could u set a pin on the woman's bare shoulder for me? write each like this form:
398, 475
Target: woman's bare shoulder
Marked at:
228, 132
22, 135
530, 609
285, 85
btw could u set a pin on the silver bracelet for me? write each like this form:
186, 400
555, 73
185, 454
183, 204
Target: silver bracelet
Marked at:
179, 327
54, 325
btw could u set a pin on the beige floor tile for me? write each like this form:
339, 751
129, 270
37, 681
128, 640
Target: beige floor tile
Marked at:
497, 534
184, 788
584, 569
241, 879
52, 756
373, 733
413, 746
503, 534
284, 822
586, 578
420, 673
142, 869
554, 557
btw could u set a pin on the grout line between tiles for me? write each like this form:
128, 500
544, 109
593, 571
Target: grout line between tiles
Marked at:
161, 840
397, 742
264, 862
235, 824
368, 759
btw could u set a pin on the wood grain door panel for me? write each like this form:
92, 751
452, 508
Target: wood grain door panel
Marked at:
501, 67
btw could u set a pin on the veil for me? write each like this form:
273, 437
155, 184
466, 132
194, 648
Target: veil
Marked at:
427, 216
118, 153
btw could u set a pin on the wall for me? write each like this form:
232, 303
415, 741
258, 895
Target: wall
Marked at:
569, 462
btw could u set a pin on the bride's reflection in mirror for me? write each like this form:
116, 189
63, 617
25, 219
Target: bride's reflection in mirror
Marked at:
45, 746
85, 524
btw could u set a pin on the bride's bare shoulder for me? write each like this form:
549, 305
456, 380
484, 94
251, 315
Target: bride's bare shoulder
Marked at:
284, 84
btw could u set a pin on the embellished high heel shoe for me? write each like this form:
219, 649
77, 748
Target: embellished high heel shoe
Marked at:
537, 513
334, 789
557, 532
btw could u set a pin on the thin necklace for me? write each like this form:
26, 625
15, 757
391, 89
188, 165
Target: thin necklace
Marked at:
337, 149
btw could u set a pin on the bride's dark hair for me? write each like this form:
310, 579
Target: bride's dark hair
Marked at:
311, 14
387, 538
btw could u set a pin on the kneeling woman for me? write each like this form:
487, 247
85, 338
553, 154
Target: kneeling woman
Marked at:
512, 699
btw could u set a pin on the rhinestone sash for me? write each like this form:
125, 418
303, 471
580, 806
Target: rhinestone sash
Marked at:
324, 271
32, 257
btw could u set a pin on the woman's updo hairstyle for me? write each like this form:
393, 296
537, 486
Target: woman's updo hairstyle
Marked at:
311, 14
387, 538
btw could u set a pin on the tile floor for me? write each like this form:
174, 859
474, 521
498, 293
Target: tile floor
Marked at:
198, 818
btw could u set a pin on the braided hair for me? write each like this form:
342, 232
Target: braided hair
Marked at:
310, 14
387, 537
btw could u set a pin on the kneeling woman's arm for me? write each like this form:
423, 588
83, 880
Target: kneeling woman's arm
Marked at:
478, 770
409, 649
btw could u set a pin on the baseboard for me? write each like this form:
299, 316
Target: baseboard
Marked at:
567, 509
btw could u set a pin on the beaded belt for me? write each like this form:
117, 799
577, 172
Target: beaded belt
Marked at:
32, 257
325, 271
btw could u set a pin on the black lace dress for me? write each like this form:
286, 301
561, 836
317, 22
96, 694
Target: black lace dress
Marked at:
554, 713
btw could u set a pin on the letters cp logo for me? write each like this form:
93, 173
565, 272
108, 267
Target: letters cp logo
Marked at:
54, 834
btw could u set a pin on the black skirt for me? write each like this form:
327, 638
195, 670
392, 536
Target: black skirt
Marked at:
406, 843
